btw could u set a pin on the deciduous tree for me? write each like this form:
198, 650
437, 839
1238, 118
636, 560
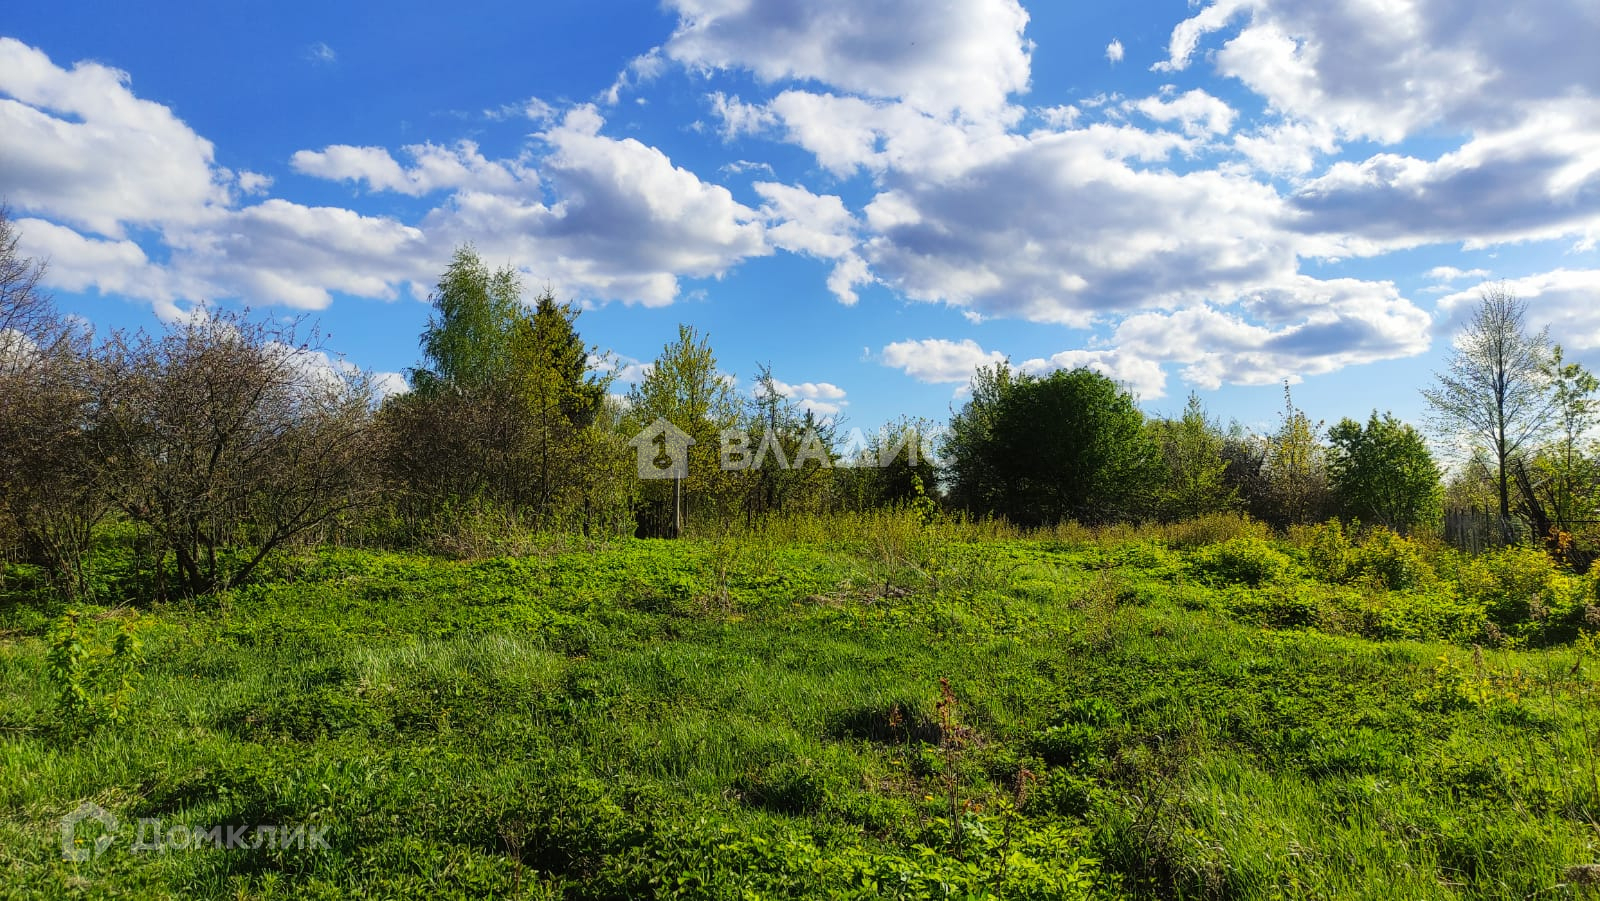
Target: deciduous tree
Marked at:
1191, 449
1071, 445
503, 411
50, 495
1566, 470
228, 438
971, 463
468, 342
1295, 468
1383, 473
1494, 392
685, 388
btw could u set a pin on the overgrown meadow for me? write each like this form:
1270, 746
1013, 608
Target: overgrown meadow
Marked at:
870, 706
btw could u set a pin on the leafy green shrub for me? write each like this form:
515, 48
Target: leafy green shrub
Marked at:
872, 813
1389, 561
1518, 588
1583, 614
667, 593
1147, 555
901, 722
95, 665
697, 859
321, 712
1240, 561
1327, 548
1431, 614
1067, 745
1091, 711
1287, 606
1062, 793
1078, 734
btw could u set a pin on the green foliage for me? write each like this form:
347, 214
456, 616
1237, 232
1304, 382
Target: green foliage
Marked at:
1212, 528
468, 341
685, 387
550, 364
1294, 469
1070, 445
1381, 559
1494, 390
1251, 562
1391, 562
1328, 550
505, 422
894, 481
1027, 862
1079, 734
977, 482
95, 667
1520, 589
762, 714
1566, 471
925, 507
784, 466
783, 787
1191, 448
1384, 474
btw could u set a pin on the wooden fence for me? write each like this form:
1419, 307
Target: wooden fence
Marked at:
1476, 531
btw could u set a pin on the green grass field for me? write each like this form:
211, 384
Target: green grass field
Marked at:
852, 708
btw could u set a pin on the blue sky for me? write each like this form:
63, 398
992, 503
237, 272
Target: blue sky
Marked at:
873, 196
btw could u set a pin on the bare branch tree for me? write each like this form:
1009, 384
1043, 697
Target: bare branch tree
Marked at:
24, 309
49, 497
1494, 391
228, 439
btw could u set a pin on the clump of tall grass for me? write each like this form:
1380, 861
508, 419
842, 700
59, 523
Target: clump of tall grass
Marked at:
479, 531
891, 527
897, 527
1211, 528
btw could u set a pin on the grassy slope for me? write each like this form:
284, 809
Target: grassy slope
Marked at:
763, 718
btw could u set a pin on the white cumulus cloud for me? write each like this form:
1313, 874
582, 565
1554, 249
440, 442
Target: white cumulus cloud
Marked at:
823, 399
1197, 113
434, 168
1143, 377
78, 145
938, 55
939, 359
1567, 300
628, 223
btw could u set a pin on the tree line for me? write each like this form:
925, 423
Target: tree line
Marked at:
222, 439
1073, 445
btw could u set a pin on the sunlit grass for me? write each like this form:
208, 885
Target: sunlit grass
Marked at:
758, 712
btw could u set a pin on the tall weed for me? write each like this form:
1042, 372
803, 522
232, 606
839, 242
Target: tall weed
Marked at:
95, 665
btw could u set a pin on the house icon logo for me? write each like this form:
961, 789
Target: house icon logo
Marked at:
663, 450
77, 848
